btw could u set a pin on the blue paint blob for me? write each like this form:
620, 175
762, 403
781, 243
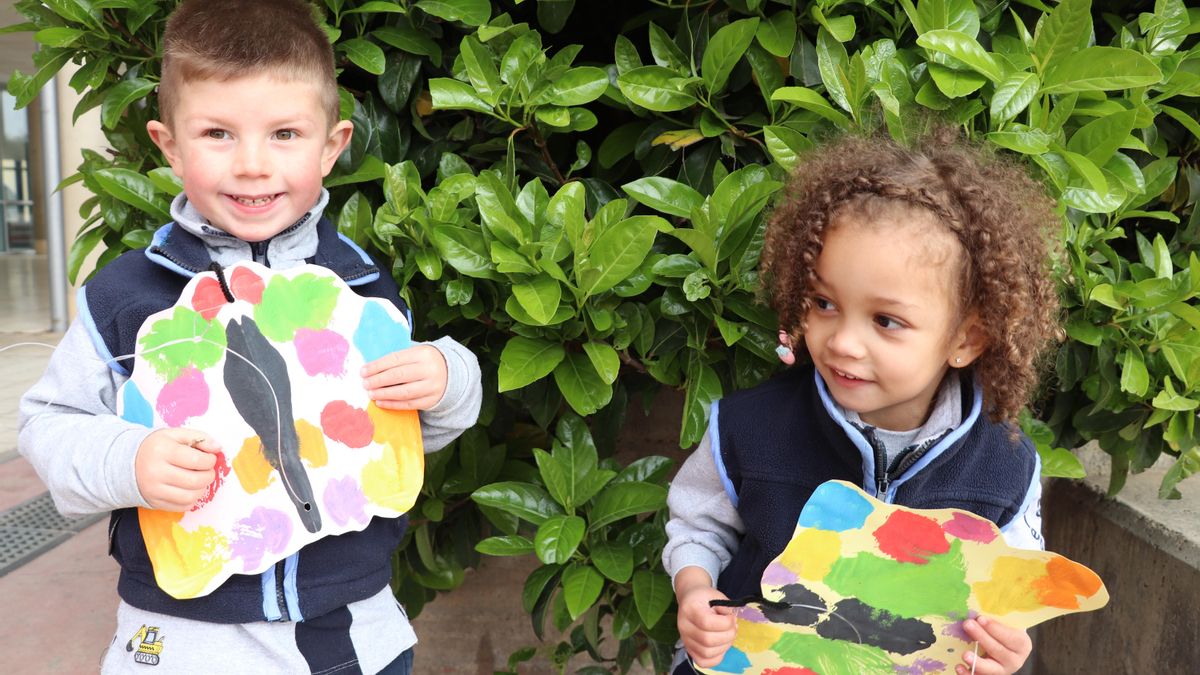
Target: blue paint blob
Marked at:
137, 408
835, 507
378, 334
735, 661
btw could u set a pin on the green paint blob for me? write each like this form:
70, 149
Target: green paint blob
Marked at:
185, 339
303, 301
937, 587
832, 657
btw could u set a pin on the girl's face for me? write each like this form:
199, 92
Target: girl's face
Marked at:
885, 323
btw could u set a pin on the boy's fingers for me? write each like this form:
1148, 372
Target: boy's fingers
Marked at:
190, 458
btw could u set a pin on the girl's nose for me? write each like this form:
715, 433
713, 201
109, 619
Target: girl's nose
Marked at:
844, 341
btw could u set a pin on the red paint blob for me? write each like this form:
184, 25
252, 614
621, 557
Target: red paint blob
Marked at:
208, 298
346, 424
246, 285
907, 537
221, 469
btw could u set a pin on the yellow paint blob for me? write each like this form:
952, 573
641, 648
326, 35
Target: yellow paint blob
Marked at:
394, 480
184, 562
1013, 586
312, 444
251, 467
812, 552
757, 637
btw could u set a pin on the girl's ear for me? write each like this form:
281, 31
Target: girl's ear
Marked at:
968, 342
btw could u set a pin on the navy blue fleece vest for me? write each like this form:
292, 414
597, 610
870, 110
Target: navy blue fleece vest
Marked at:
777, 443
325, 575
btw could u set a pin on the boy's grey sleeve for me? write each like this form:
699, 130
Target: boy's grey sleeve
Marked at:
69, 431
458, 408
704, 527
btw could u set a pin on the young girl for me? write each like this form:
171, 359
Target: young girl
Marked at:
918, 282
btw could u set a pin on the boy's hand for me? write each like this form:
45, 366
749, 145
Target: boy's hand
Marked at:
707, 632
1002, 649
410, 379
174, 467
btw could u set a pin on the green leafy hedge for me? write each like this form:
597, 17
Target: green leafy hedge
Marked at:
576, 191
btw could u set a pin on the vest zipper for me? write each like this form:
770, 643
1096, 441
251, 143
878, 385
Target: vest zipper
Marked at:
279, 597
258, 251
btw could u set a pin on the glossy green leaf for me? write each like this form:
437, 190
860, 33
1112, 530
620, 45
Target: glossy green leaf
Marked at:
652, 593
581, 588
963, 48
120, 97
613, 559
539, 297
134, 189
557, 538
654, 88
665, 195
724, 50
604, 359
1013, 95
448, 94
1100, 69
505, 546
808, 99
480, 64
1134, 378
777, 34
526, 360
1066, 30
524, 500
616, 253
621, 500
365, 54
470, 12
405, 37
579, 86
583, 388
955, 83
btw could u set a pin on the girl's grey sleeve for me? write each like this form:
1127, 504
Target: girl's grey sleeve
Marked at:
69, 431
704, 527
458, 409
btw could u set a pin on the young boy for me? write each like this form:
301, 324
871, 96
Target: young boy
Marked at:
250, 123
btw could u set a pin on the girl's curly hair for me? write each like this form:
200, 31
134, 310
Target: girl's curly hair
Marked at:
1003, 219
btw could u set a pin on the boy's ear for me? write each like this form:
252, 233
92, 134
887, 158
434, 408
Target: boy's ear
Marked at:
339, 137
968, 342
165, 140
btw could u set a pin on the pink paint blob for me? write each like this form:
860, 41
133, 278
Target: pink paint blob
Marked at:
182, 398
344, 501
264, 531
970, 528
321, 352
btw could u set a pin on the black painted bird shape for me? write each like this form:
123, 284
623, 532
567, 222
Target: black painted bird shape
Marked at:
263, 398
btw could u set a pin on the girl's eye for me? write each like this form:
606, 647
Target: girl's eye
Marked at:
887, 322
285, 134
217, 134
822, 304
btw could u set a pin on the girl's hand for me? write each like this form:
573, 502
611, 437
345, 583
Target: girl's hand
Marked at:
707, 632
1002, 649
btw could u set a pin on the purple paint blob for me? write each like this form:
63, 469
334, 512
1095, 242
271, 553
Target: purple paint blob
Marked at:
751, 614
344, 501
321, 352
955, 630
921, 667
265, 531
778, 575
970, 528
182, 398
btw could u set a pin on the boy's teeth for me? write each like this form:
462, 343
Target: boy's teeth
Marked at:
256, 201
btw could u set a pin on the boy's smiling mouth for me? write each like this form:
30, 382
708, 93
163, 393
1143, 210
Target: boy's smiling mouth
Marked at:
254, 200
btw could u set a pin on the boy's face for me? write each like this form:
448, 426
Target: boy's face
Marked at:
885, 324
251, 151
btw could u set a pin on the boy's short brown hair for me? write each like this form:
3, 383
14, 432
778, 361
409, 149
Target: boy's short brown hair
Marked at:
223, 39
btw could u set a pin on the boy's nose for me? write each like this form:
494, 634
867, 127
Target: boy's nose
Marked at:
251, 160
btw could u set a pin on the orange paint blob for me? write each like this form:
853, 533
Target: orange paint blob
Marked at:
312, 444
1064, 582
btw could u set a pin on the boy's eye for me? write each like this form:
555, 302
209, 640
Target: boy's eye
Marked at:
217, 134
285, 134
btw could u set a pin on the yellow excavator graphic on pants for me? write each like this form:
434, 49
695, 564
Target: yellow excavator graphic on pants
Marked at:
149, 645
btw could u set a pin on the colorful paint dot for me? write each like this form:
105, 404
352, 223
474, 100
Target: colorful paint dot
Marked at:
246, 285
136, 408
908, 537
321, 352
1065, 582
208, 298
264, 531
969, 527
345, 501
346, 424
378, 334
183, 398
220, 471
836, 507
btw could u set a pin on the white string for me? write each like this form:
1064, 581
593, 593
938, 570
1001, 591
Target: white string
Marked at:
975, 660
